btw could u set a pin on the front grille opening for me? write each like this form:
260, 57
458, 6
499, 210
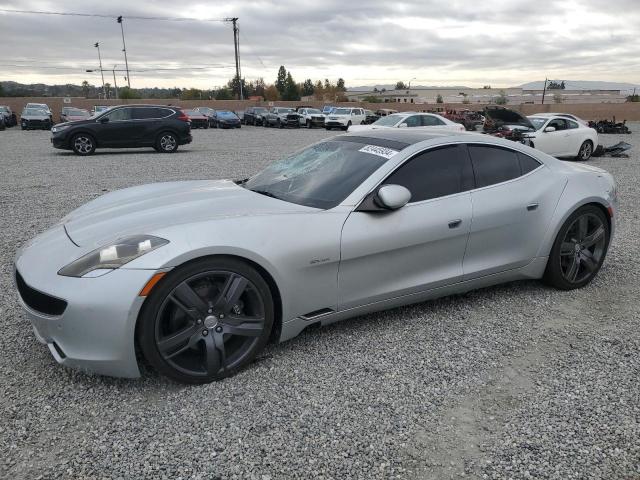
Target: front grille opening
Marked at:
39, 301
59, 350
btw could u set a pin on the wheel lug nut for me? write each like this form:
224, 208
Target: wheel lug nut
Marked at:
199, 321
218, 329
205, 332
210, 310
221, 315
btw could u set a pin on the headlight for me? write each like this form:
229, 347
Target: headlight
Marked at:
60, 128
112, 256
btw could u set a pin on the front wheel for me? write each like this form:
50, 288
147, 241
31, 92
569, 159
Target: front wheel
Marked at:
83, 144
206, 320
167, 142
586, 149
579, 249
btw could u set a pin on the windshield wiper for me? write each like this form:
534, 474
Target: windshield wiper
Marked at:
267, 194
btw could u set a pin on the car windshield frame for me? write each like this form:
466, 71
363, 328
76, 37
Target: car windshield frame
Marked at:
325, 173
541, 120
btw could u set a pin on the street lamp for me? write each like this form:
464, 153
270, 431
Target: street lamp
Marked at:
97, 45
414, 78
124, 49
115, 84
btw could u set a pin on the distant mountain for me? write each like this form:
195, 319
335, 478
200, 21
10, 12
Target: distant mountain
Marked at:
585, 85
368, 88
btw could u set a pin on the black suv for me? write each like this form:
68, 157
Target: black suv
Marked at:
127, 126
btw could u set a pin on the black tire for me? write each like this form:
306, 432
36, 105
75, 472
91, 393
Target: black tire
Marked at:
206, 126
172, 337
279, 124
309, 124
167, 142
579, 249
586, 150
265, 124
83, 144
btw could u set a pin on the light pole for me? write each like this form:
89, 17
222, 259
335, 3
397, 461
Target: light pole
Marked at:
124, 49
115, 84
414, 78
97, 45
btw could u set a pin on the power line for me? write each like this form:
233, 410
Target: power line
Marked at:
98, 15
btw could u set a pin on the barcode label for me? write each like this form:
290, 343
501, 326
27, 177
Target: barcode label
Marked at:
379, 151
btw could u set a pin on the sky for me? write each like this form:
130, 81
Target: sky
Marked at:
473, 43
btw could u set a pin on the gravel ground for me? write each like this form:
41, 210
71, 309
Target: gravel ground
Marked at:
516, 381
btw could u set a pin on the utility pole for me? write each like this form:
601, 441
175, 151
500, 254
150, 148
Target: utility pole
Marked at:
97, 45
115, 84
544, 90
236, 46
124, 49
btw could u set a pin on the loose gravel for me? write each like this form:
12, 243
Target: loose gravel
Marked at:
515, 381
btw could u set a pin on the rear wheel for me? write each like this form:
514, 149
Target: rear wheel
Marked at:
579, 249
586, 149
167, 142
206, 320
83, 144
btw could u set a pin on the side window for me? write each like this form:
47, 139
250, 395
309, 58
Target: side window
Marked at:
435, 173
572, 124
493, 165
120, 114
527, 163
558, 124
144, 113
412, 121
429, 121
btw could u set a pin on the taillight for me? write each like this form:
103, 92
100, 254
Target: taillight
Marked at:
183, 116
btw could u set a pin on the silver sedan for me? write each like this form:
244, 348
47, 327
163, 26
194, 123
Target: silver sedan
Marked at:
202, 274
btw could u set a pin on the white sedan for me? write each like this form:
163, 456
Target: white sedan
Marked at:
562, 137
411, 120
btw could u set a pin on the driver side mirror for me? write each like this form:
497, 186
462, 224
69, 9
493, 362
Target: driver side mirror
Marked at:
550, 129
403, 125
104, 119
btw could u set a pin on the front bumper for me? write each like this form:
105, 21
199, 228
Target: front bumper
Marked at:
95, 332
331, 123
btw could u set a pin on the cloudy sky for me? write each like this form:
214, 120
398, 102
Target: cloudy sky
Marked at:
367, 42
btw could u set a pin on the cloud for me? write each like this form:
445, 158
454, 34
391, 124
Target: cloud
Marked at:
365, 42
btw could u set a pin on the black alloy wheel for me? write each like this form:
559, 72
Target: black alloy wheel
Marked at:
167, 142
206, 320
83, 144
586, 149
579, 250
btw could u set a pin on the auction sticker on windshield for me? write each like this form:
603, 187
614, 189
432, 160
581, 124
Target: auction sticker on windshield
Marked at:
379, 151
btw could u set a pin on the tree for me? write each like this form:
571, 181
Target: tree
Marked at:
487, 87
192, 94
259, 87
290, 89
439, 99
224, 94
401, 86
340, 85
556, 85
318, 91
271, 93
307, 87
126, 93
281, 79
631, 98
501, 99
85, 89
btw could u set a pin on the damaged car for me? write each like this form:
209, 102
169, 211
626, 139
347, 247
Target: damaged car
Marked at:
555, 135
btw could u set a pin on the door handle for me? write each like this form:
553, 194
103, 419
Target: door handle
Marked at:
532, 206
455, 223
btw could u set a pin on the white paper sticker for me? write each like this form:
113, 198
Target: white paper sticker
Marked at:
379, 151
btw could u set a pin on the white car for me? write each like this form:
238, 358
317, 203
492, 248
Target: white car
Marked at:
412, 120
562, 137
345, 117
311, 117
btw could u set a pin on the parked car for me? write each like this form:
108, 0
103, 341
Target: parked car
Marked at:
33, 118
227, 119
370, 117
343, 118
310, 117
71, 114
210, 113
127, 126
197, 119
564, 115
281, 117
554, 135
97, 109
41, 106
411, 120
383, 112
254, 115
10, 118
195, 277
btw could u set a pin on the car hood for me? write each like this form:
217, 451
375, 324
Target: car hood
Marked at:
35, 117
144, 209
504, 116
